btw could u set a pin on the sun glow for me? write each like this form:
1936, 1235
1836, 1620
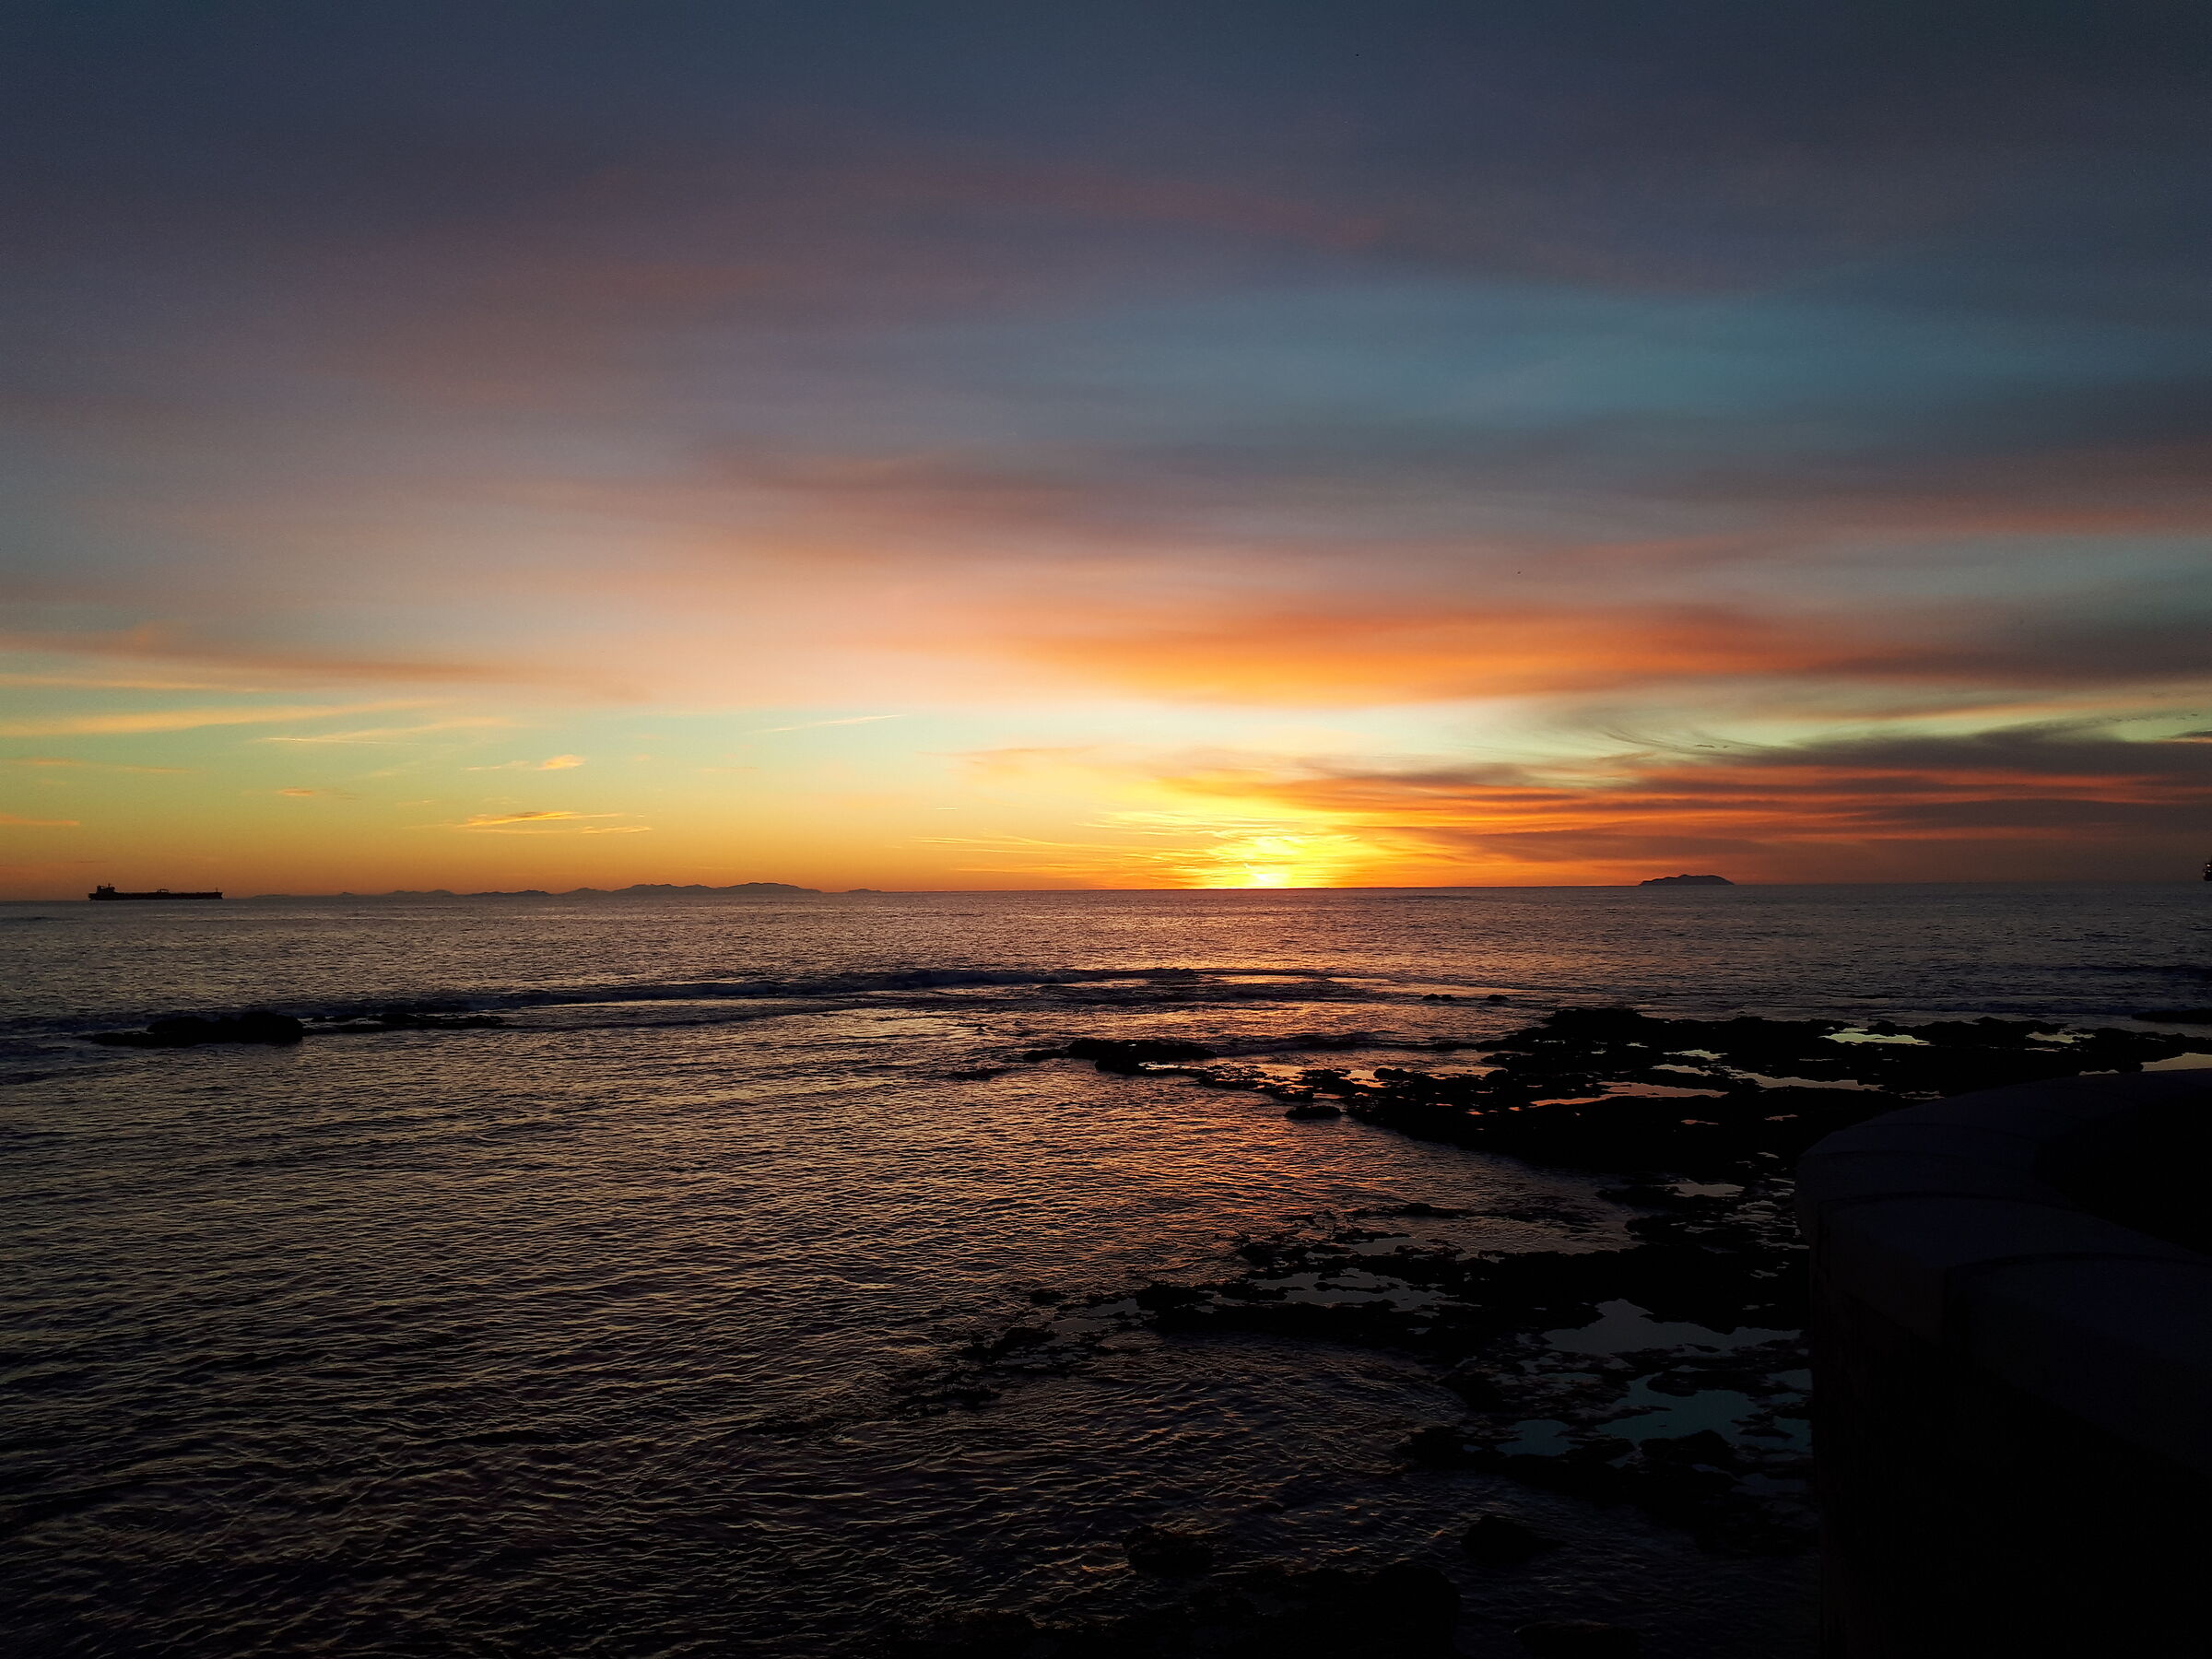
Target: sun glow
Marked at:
1278, 859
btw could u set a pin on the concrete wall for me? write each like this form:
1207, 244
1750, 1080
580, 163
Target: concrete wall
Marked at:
2013, 1395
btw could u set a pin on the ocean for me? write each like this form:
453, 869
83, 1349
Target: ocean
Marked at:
623, 1328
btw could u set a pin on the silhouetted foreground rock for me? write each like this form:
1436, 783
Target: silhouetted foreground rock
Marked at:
191, 1030
1262, 1613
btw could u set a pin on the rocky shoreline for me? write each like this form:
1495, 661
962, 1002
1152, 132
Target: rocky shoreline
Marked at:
1660, 1370
1669, 1374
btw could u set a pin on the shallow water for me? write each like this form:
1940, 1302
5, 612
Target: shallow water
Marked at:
582, 1336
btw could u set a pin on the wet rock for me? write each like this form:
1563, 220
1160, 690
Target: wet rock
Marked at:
1436, 1447
1480, 1389
1703, 1447
1313, 1109
1498, 1541
192, 1029
1114, 1055
1167, 1553
1577, 1638
1158, 1298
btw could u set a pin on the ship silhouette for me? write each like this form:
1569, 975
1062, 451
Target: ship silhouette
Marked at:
106, 891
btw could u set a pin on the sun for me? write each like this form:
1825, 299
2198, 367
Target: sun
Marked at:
1280, 860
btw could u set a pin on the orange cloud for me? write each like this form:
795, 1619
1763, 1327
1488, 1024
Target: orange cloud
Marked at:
2025, 802
179, 720
530, 822
1417, 654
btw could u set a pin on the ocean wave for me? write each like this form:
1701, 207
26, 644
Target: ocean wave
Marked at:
1228, 983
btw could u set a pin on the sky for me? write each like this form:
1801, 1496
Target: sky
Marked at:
939, 446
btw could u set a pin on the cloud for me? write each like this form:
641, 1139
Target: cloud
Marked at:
13, 821
391, 736
543, 822
179, 720
557, 763
274, 666
93, 765
336, 794
114, 683
483, 819
2023, 800
2040, 801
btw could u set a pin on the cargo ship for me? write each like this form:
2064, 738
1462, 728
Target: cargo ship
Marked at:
108, 892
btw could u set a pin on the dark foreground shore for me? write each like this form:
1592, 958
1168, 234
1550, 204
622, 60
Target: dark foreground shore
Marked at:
1669, 1374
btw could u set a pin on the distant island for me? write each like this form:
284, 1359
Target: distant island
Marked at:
645, 889
1688, 881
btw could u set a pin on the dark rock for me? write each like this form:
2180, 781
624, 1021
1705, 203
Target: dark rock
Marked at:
1113, 1055
1158, 1298
1314, 1108
1167, 1553
1577, 1638
1703, 1447
2179, 1016
1498, 1541
1477, 1387
1435, 1447
190, 1030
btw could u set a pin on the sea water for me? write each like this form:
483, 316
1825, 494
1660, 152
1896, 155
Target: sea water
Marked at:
589, 1335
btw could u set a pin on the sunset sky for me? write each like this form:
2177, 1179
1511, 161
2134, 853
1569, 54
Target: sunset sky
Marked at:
944, 445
